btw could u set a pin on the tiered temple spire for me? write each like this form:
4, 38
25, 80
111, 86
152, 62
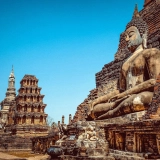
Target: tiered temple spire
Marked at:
30, 115
9, 99
11, 92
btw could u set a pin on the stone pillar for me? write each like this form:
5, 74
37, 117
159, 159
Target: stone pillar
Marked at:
130, 141
27, 120
30, 119
21, 120
44, 120
63, 119
70, 118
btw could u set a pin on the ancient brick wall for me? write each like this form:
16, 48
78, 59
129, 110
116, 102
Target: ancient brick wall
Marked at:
151, 15
81, 112
13, 142
147, 2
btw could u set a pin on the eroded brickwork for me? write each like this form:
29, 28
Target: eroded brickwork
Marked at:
30, 113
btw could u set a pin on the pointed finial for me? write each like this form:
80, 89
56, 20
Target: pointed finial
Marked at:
12, 73
12, 69
136, 13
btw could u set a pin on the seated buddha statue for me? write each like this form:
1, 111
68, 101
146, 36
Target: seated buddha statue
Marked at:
137, 76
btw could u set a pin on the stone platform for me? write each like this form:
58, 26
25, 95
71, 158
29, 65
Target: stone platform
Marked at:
14, 142
126, 155
69, 157
137, 116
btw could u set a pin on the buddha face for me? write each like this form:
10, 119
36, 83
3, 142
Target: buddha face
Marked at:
133, 38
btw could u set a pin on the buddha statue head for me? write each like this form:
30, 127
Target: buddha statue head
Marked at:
136, 32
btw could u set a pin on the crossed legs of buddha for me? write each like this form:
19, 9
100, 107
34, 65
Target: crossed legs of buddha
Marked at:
132, 103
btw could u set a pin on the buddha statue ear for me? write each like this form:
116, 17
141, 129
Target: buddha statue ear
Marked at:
144, 40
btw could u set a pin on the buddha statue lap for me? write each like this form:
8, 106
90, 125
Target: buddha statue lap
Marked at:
137, 78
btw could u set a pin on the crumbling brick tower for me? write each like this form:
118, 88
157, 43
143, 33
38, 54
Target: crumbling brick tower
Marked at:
30, 119
9, 100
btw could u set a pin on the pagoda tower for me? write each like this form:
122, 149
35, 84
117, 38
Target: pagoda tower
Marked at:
9, 99
30, 118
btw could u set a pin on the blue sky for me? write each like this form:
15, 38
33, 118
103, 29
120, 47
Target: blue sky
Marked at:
63, 43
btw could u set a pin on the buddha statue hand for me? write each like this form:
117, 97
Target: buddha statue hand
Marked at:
117, 98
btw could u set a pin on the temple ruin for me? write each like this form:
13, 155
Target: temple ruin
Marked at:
120, 118
123, 110
9, 99
30, 108
23, 116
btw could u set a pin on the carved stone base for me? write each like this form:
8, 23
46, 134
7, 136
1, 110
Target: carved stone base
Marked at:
124, 119
126, 155
10, 142
68, 157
